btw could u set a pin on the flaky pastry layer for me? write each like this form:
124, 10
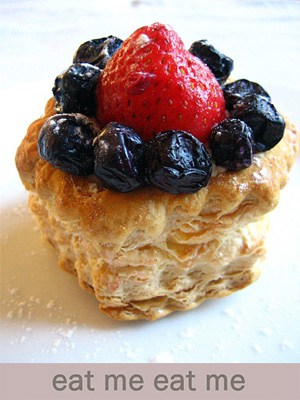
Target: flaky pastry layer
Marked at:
147, 253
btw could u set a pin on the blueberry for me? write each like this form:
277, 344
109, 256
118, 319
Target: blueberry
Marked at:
177, 162
66, 142
238, 90
97, 51
220, 65
231, 144
119, 157
75, 89
267, 124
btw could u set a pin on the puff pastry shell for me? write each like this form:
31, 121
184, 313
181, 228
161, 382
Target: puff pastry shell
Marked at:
148, 253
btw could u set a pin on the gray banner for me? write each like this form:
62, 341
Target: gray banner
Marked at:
150, 381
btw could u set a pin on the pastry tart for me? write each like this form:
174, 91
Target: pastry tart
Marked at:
147, 252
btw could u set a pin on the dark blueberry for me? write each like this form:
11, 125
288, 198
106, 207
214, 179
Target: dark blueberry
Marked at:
238, 90
267, 124
177, 162
75, 89
97, 51
218, 63
231, 144
66, 142
119, 158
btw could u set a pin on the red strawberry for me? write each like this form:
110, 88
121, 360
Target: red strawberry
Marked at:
153, 84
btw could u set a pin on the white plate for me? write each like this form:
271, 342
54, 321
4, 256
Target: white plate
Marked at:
46, 317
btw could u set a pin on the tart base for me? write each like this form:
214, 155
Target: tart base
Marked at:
153, 281
147, 253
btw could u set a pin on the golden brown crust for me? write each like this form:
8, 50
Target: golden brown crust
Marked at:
147, 253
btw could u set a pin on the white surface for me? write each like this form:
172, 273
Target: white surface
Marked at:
45, 316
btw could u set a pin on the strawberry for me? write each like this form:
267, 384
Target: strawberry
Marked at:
153, 84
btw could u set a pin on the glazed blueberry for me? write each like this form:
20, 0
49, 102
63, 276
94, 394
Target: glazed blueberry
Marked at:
119, 158
97, 51
267, 124
238, 90
66, 142
177, 162
220, 65
231, 144
75, 89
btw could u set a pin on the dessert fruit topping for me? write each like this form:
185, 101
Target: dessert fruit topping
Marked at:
220, 65
75, 89
97, 51
66, 142
152, 104
261, 115
119, 157
152, 83
240, 89
250, 102
231, 144
177, 162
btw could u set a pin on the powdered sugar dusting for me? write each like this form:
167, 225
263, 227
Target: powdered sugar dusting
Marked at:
266, 332
217, 170
243, 187
163, 357
257, 348
257, 159
131, 352
260, 176
286, 345
187, 333
142, 40
50, 304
